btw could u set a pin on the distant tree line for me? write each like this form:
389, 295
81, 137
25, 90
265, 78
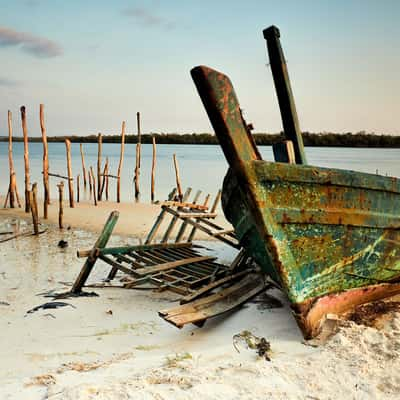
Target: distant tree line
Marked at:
359, 139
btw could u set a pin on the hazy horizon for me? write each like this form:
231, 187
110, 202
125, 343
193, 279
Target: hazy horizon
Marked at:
94, 64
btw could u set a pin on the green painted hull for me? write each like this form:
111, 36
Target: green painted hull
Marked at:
330, 238
322, 230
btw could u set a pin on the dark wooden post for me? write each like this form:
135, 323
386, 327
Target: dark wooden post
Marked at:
91, 260
46, 200
99, 149
77, 188
60, 204
283, 89
94, 186
26, 158
153, 169
69, 168
284, 152
34, 208
121, 159
137, 171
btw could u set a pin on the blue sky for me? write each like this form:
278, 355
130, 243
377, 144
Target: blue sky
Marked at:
95, 63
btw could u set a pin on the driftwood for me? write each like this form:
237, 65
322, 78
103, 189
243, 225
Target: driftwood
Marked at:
137, 172
46, 200
26, 158
69, 168
21, 234
121, 160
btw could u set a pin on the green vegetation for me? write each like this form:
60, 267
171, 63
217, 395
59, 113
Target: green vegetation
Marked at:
359, 139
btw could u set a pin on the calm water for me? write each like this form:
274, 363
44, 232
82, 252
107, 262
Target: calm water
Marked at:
201, 167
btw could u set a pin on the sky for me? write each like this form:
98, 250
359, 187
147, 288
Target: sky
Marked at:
96, 63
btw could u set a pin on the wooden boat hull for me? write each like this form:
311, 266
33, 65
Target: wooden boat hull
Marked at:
330, 238
321, 232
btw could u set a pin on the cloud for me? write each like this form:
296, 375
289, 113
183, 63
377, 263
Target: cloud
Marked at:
8, 82
35, 45
147, 18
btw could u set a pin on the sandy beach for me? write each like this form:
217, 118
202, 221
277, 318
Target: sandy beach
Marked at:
114, 346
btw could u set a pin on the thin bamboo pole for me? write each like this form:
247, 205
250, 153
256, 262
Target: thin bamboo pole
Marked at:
99, 150
83, 165
121, 159
69, 168
46, 200
94, 186
178, 178
26, 158
34, 208
60, 204
153, 168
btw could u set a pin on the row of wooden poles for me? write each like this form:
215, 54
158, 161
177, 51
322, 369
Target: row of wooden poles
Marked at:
89, 177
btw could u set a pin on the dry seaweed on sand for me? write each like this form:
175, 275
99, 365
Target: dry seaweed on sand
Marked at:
253, 342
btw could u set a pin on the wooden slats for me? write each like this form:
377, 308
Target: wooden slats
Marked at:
171, 265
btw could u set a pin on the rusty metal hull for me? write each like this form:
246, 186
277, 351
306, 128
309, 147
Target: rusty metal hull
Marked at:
330, 238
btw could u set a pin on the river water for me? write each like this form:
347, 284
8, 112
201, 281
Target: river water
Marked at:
201, 166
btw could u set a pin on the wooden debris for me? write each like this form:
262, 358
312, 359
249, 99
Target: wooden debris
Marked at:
99, 151
94, 186
215, 304
91, 260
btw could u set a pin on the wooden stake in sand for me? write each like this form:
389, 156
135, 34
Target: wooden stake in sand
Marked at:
137, 172
12, 188
105, 176
34, 208
46, 200
178, 178
99, 148
106, 179
69, 168
138, 155
90, 184
153, 168
121, 159
83, 166
26, 158
94, 186
77, 188
60, 204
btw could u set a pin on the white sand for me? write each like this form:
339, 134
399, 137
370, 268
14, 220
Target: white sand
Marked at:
88, 352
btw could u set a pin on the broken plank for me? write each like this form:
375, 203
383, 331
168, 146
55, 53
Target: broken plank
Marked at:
170, 265
196, 215
215, 304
